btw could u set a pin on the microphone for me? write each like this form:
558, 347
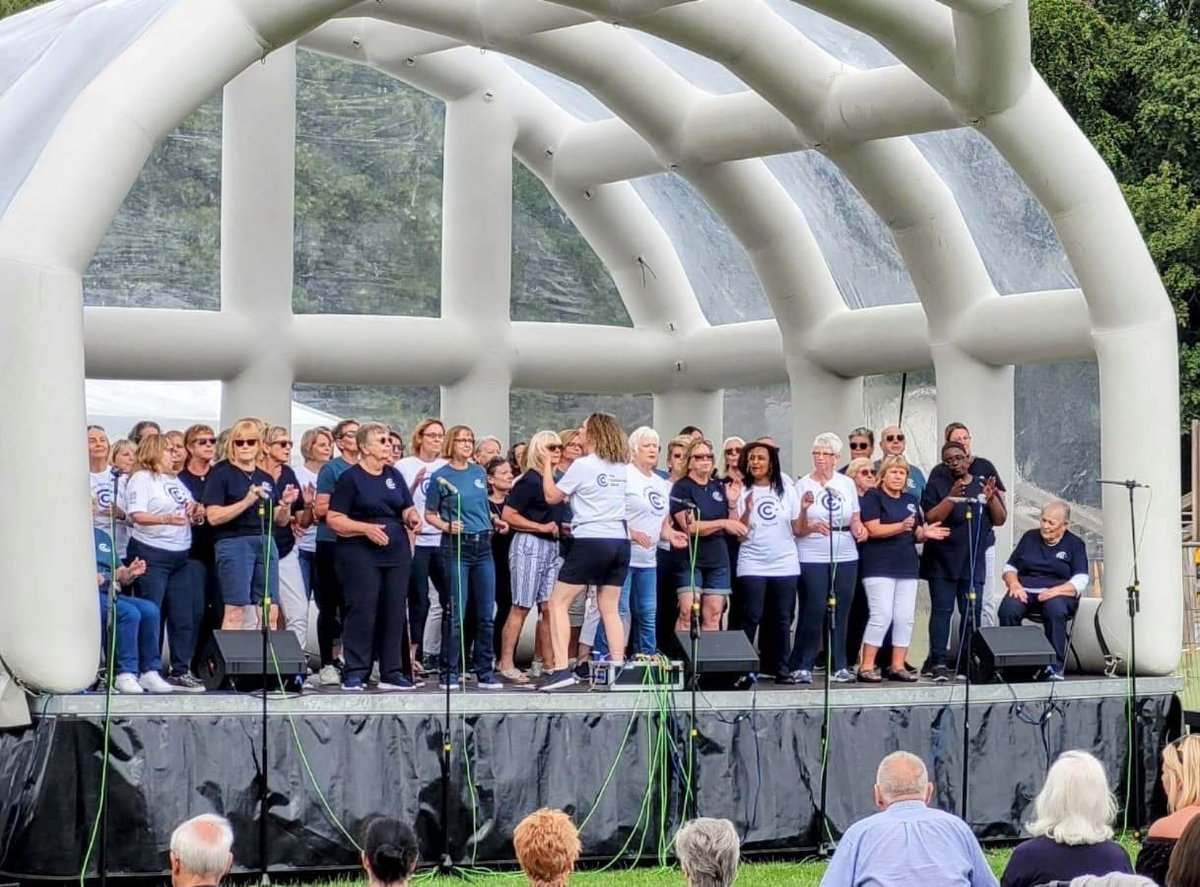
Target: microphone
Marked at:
1128, 484
687, 503
449, 487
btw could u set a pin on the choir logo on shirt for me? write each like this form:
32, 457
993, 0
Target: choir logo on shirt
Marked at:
480, 483
830, 500
104, 548
718, 496
266, 487
767, 509
177, 494
390, 484
656, 500
912, 508
104, 497
1061, 555
425, 487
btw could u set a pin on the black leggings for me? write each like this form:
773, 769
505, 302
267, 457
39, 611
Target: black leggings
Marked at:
330, 602
375, 614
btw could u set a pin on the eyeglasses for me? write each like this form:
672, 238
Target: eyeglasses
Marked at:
577, 446
346, 434
433, 435
469, 440
702, 457
246, 443
281, 443
822, 454
867, 471
861, 445
733, 451
397, 448
954, 460
894, 438
554, 448
205, 441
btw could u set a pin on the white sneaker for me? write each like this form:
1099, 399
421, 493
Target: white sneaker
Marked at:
152, 682
329, 676
127, 682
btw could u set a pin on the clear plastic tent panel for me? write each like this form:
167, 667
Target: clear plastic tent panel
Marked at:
1015, 238
401, 408
47, 56
701, 71
761, 411
163, 249
532, 411
857, 245
568, 95
725, 284
556, 275
368, 192
843, 43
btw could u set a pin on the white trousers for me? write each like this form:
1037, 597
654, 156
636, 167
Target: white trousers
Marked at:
893, 602
293, 597
989, 614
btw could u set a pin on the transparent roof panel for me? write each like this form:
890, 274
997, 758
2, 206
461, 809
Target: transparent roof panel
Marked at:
556, 275
760, 410
531, 411
701, 71
368, 192
725, 284
1015, 238
163, 249
843, 43
399, 407
857, 245
567, 94
47, 56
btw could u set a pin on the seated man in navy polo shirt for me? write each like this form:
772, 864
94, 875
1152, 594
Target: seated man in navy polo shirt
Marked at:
1046, 574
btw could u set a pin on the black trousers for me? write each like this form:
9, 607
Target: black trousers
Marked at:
375, 597
769, 602
330, 602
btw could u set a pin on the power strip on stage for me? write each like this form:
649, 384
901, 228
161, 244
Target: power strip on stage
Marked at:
638, 674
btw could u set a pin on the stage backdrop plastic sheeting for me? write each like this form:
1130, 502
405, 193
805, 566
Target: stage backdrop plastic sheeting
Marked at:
758, 767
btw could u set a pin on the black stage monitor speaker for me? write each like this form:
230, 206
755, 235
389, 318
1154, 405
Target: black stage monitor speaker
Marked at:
1014, 652
724, 656
233, 661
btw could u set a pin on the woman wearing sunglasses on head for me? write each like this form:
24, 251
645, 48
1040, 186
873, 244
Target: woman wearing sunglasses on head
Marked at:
293, 598
241, 502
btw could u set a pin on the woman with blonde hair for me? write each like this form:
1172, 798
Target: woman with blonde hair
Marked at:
122, 458
533, 559
316, 448
240, 501
1181, 782
599, 552
1072, 826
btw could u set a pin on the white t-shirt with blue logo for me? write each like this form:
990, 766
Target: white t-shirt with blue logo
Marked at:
597, 491
769, 548
410, 467
151, 493
646, 500
104, 492
838, 500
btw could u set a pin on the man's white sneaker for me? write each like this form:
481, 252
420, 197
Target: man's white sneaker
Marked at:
152, 682
127, 682
329, 676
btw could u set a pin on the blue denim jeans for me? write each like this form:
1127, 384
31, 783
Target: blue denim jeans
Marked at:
308, 569
472, 574
624, 609
139, 644
943, 594
174, 583
639, 600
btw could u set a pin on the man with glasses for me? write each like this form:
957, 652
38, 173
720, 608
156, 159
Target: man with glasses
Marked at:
892, 443
330, 600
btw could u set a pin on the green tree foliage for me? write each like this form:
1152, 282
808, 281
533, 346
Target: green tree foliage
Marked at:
1129, 73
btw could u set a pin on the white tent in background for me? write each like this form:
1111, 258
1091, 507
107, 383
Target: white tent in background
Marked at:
117, 404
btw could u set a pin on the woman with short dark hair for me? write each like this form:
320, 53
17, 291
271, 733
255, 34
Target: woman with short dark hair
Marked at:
389, 851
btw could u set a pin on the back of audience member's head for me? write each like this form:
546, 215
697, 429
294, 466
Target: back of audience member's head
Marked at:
201, 850
1181, 772
390, 852
1075, 805
901, 777
708, 852
1184, 870
547, 846
1116, 879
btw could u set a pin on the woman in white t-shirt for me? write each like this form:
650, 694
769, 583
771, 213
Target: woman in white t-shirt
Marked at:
828, 532
599, 552
161, 512
122, 460
767, 564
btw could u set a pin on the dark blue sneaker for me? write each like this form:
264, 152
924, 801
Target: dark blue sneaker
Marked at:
450, 683
558, 680
1054, 673
489, 682
352, 685
397, 684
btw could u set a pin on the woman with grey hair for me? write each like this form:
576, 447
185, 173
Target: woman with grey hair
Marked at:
1072, 827
708, 851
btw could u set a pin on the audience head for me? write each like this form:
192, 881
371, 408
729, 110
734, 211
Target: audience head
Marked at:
605, 438
143, 429
427, 439
891, 441
244, 442
643, 446
862, 472
547, 846
201, 851
1181, 772
389, 851
902, 777
123, 456
487, 449
541, 444
1184, 869
1075, 805
200, 441
708, 852
345, 435
1114, 879
316, 445
862, 442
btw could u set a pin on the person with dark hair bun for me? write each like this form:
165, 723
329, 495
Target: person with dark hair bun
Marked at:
389, 852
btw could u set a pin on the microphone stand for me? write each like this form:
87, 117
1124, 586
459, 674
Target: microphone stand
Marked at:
110, 669
265, 618
694, 633
825, 844
968, 640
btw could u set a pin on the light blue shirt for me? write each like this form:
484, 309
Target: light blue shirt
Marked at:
908, 845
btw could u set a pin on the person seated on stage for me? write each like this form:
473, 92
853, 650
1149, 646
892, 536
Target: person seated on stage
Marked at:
1072, 827
708, 851
1045, 574
908, 842
1181, 782
138, 640
201, 851
547, 847
389, 852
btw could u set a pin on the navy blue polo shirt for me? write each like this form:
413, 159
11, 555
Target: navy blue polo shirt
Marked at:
712, 550
896, 556
951, 558
1040, 565
374, 499
227, 485
471, 483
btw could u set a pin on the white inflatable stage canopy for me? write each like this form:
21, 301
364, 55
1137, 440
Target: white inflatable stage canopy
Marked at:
726, 96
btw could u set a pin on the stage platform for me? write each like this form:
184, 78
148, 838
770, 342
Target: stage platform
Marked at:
615, 759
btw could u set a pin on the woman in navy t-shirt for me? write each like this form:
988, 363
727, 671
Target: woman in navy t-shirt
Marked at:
372, 513
888, 564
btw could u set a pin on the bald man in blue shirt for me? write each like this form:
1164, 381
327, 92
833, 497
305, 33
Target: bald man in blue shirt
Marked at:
907, 843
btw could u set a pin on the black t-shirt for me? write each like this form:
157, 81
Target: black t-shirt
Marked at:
202, 534
980, 468
952, 557
527, 499
713, 506
501, 542
228, 485
285, 539
894, 557
375, 499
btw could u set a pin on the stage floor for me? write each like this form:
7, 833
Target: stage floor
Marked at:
618, 762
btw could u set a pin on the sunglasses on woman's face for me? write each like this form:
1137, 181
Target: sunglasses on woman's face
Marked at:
702, 457
554, 448
205, 441
246, 443
860, 445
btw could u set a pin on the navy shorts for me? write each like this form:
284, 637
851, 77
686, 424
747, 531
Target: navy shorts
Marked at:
596, 562
710, 580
